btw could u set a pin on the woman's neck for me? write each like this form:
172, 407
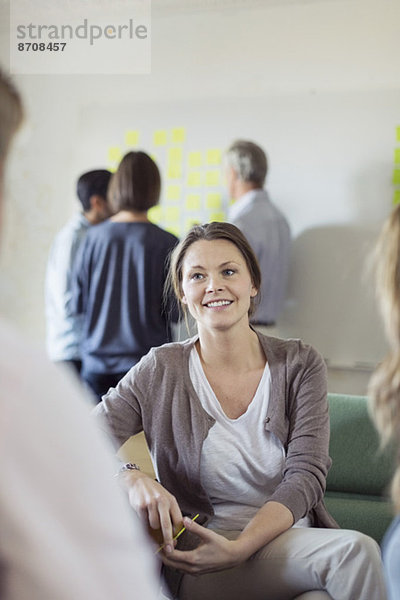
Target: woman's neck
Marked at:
130, 216
236, 350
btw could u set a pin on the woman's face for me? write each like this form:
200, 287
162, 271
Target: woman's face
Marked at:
216, 284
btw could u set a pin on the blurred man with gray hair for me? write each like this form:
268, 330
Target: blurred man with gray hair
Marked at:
264, 225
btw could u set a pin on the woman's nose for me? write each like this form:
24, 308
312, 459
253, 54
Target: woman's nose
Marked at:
214, 284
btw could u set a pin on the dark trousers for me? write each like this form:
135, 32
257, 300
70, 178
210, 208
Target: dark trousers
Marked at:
100, 383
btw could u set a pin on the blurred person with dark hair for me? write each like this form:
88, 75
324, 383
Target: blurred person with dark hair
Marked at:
66, 529
64, 329
119, 278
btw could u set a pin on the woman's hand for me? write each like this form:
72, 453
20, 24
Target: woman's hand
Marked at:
214, 553
157, 508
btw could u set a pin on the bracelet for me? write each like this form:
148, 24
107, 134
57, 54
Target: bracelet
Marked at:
127, 467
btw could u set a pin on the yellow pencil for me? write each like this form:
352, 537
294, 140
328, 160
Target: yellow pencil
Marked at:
177, 535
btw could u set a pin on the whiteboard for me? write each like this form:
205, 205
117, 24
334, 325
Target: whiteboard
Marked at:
331, 159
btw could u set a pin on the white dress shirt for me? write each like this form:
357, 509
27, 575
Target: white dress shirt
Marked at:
268, 233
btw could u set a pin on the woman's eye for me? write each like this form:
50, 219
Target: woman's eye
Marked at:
229, 272
197, 276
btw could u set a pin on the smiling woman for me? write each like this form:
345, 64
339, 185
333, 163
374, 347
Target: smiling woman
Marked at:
237, 426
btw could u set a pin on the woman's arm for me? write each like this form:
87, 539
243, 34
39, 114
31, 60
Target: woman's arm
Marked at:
120, 415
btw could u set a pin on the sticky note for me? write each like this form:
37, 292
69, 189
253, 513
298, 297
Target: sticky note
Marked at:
160, 137
132, 138
178, 135
192, 202
398, 133
155, 214
194, 178
217, 216
396, 197
213, 156
189, 223
174, 229
173, 192
214, 201
114, 154
174, 170
397, 156
213, 177
112, 168
396, 176
195, 159
172, 213
175, 154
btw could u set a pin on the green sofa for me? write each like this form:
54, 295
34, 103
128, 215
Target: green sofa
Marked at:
357, 493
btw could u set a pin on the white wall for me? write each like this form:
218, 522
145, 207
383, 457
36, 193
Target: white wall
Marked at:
282, 50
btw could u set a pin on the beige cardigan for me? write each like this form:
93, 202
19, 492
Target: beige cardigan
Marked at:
157, 396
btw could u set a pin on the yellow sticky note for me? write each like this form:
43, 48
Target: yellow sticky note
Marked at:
189, 223
155, 214
172, 213
112, 168
175, 154
217, 216
178, 135
195, 159
214, 156
114, 154
132, 138
398, 133
396, 197
213, 177
173, 192
397, 156
174, 170
174, 229
194, 178
396, 176
192, 202
160, 137
214, 201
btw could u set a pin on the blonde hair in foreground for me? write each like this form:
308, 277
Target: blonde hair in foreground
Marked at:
384, 386
11, 113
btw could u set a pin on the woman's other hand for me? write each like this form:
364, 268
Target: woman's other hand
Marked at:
214, 553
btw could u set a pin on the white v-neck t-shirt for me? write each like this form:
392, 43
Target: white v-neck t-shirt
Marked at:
241, 463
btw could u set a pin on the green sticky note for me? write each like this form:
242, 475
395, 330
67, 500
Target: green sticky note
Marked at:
396, 197
217, 216
114, 154
174, 228
175, 154
132, 138
174, 170
397, 156
214, 156
398, 133
189, 223
172, 213
194, 178
160, 137
396, 176
173, 192
214, 201
195, 159
178, 135
213, 178
155, 214
192, 202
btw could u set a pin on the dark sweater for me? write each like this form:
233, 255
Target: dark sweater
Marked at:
118, 285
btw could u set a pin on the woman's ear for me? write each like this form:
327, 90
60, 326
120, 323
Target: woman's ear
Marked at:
253, 291
183, 300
